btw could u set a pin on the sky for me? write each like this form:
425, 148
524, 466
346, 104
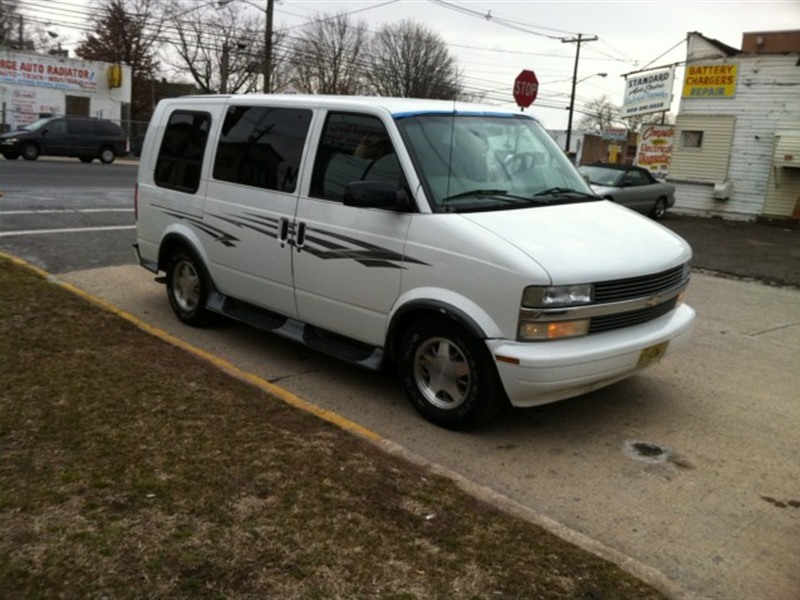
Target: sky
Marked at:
493, 40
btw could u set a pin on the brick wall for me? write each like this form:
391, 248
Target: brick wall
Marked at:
771, 41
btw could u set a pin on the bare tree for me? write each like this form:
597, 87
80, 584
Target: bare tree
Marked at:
17, 33
127, 31
220, 47
409, 60
327, 57
634, 123
599, 115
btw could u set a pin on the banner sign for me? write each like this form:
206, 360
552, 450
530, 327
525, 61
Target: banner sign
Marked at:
45, 72
648, 92
655, 148
710, 81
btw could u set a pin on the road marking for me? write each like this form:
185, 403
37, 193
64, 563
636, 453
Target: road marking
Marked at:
45, 211
69, 230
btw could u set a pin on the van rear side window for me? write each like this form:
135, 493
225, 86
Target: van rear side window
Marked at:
180, 157
262, 146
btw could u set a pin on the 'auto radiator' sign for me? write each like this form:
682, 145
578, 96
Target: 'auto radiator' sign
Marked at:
23, 69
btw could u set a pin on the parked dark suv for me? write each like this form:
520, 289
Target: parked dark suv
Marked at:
86, 138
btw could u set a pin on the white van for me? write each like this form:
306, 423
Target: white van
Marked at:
455, 241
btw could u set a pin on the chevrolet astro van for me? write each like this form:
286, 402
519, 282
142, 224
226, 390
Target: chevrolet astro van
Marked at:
454, 241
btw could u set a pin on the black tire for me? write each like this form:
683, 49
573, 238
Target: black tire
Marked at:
107, 155
30, 151
86, 159
449, 375
659, 209
187, 288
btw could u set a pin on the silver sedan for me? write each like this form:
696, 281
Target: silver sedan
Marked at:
630, 186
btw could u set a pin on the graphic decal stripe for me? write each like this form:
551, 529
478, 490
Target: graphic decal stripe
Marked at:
325, 245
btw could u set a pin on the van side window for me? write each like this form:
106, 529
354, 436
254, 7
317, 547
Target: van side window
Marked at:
80, 127
262, 146
57, 127
180, 157
353, 148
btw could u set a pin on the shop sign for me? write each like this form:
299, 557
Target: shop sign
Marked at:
43, 72
655, 148
710, 81
648, 92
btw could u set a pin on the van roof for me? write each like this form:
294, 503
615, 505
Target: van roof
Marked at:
397, 107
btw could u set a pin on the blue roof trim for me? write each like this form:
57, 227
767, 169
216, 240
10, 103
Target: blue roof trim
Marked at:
460, 113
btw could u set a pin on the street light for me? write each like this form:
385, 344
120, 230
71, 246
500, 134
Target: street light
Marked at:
575, 82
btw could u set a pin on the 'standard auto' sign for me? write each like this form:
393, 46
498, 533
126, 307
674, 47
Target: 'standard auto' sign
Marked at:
648, 92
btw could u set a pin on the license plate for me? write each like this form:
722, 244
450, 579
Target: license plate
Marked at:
652, 354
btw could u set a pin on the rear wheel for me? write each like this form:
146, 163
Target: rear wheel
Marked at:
30, 151
107, 155
188, 288
659, 209
449, 375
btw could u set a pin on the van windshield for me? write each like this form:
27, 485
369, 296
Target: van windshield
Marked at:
473, 162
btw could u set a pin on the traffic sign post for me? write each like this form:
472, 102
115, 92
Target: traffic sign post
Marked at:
526, 87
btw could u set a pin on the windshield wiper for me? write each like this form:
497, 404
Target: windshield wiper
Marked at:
501, 195
564, 191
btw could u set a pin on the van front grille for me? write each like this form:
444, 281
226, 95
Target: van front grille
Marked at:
638, 287
634, 317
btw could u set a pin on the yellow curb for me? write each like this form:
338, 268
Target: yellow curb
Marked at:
220, 363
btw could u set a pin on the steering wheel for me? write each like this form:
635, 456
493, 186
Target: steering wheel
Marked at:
523, 161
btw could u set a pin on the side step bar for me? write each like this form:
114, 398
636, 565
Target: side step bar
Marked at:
318, 339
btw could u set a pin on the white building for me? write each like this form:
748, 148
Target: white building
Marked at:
737, 136
34, 85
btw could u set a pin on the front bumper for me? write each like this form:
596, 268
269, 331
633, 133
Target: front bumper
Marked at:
544, 372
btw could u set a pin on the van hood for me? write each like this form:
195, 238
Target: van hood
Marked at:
595, 241
12, 134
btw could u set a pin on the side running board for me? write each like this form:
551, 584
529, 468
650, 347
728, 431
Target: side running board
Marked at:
324, 341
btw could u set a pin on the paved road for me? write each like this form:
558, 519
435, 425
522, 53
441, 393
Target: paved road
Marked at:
64, 215
691, 468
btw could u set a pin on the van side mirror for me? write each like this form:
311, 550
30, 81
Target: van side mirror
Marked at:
376, 194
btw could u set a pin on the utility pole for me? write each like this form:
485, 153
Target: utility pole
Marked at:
580, 39
268, 49
224, 70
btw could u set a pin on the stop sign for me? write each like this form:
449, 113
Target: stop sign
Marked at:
526, 86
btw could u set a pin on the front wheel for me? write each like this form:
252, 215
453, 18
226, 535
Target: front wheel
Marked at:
449, 375
659, 209
187, 288
30, 152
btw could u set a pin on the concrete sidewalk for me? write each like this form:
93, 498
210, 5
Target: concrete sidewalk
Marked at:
768, 253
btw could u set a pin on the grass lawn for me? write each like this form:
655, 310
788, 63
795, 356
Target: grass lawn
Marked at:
130, 468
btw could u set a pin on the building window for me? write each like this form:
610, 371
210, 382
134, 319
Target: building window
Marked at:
692, 139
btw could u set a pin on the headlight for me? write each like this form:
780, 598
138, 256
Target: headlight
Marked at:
537, 325
555, 296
